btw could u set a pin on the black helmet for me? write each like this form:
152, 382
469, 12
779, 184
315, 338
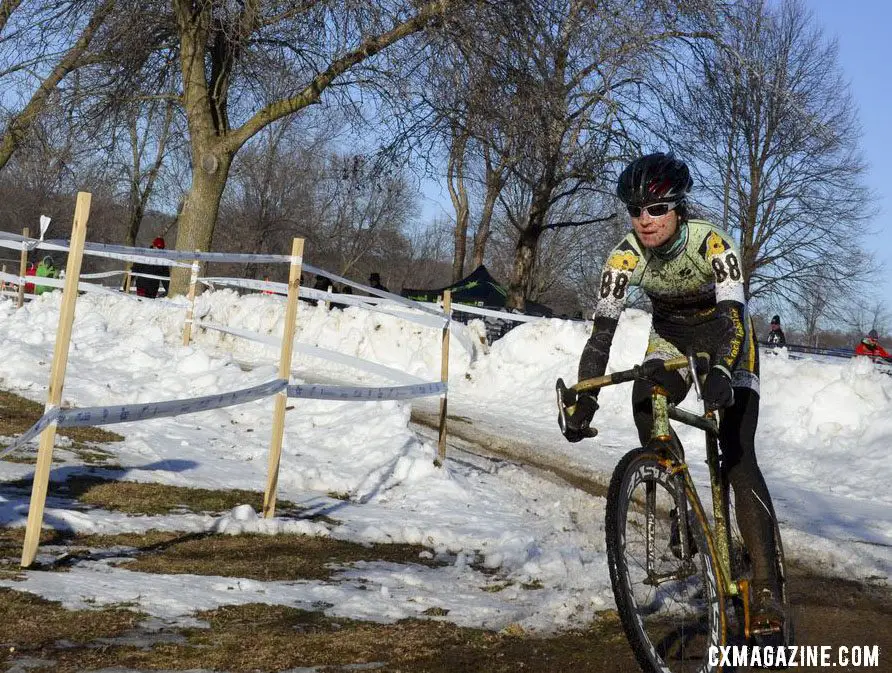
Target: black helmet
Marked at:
775, 320
652, 178
872, 334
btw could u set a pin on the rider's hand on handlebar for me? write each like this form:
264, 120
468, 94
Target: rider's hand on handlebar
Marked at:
717, 390
576, 424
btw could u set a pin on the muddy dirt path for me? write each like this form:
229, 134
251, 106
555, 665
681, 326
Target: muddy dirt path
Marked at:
827, 611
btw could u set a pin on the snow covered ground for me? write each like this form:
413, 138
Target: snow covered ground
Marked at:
824, 436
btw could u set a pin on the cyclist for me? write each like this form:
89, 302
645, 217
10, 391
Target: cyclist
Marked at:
692, 273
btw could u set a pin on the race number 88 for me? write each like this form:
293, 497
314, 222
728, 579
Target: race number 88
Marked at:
622, 280
721, 274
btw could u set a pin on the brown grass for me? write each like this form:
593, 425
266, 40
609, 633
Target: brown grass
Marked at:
146, 498
17, 414
260, 637
28, 622
267, 558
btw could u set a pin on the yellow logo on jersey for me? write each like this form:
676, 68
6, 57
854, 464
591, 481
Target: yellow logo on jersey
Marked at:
623, 261
715, 245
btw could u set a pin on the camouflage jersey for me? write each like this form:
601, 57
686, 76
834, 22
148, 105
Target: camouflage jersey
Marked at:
695, 284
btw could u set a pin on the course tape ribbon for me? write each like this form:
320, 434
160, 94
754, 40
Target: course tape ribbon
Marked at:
90, 416
384, 371
321, 392
181, 258
378, 293
56, 283
437, 321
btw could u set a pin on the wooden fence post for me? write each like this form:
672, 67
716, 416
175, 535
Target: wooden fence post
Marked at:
444, 377
57, 377
190, 312
275, 450
23, 269
128, 278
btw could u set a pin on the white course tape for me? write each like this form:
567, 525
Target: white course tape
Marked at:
325, 392
365, 288
17, 241
149, 275
103, 274
436, 322
57, 283
357, 363
15, 294
502, 315
90, 416
249, 283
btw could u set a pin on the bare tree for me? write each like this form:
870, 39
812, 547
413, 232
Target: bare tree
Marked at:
865, 315
770, 124
248, 65
46, 69
290, 181
568, 76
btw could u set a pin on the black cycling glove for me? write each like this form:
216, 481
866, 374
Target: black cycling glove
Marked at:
576, 424
717, 390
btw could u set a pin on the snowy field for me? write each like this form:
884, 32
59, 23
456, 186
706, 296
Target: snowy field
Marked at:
824, 437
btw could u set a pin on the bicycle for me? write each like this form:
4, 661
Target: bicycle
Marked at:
681, 583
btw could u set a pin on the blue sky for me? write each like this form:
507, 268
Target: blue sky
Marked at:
862, 28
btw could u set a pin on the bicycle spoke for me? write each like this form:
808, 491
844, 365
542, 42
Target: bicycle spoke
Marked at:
666, 589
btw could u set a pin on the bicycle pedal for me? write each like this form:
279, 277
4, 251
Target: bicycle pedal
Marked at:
768, 628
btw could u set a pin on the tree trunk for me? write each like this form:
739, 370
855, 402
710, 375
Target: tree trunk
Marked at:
522, 271
528, 241
494, 184
481, 237
195, 226
459, 195
137, 210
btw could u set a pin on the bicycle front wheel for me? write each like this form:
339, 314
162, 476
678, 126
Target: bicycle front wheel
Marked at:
669, 598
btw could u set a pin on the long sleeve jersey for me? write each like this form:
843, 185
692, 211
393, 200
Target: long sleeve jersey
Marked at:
696, 290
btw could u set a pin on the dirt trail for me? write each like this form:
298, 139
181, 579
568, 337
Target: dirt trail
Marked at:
826, 610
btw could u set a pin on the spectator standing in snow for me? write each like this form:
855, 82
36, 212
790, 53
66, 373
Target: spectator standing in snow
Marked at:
46, 269
870, 347
148, 287
776, 335
375, 281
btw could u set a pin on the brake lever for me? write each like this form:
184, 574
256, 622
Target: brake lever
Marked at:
692, 363
566, 401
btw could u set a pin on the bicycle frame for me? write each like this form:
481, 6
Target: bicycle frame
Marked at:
662, 441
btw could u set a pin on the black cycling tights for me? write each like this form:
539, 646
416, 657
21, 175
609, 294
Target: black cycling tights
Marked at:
755, 512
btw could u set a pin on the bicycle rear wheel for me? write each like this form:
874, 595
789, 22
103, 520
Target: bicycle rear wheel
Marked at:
670, 601
741, 568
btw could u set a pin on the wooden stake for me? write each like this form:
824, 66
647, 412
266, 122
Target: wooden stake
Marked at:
190, 312
444, 377
57, 377
23, 269
275, 449
127, 277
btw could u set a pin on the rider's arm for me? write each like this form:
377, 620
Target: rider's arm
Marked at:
615, 280
721, 254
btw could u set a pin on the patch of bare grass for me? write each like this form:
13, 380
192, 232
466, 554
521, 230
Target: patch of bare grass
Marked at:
17, 414
259, 637
268, 558
146, 498
29, 624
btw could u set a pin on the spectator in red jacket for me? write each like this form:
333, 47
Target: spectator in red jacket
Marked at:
30, 271
870, 346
